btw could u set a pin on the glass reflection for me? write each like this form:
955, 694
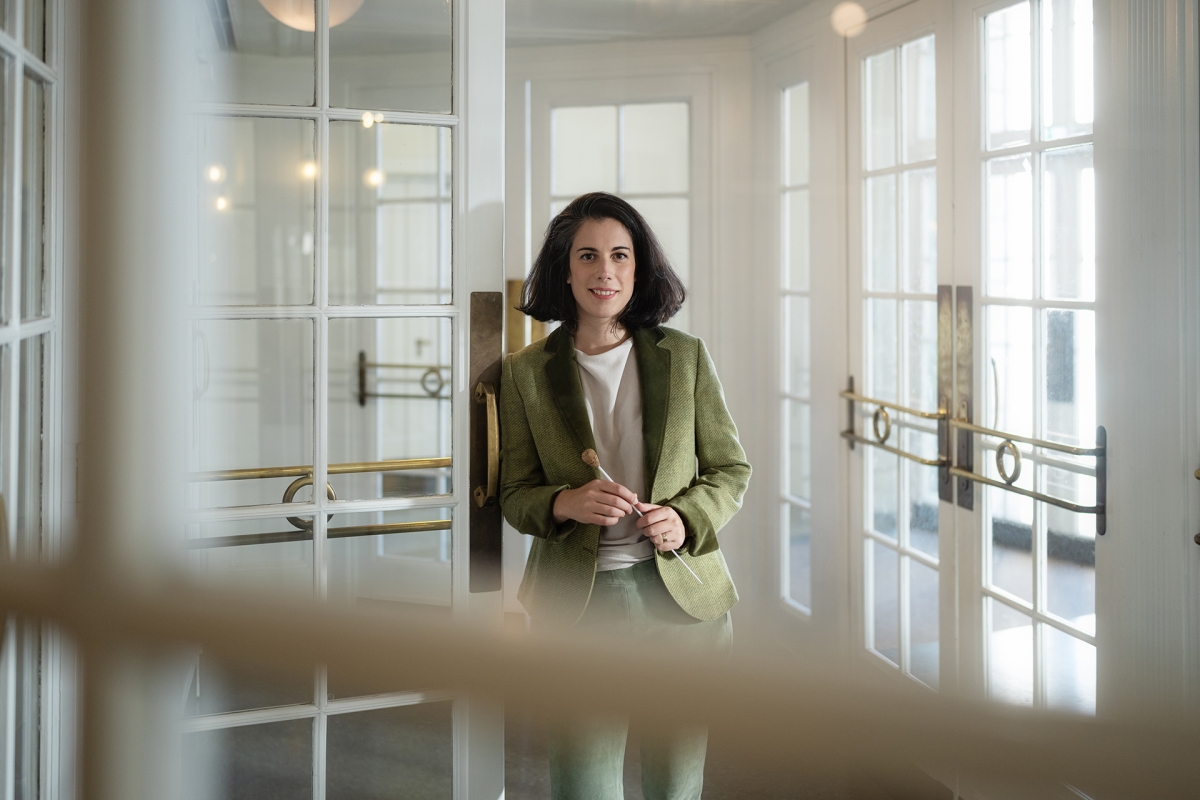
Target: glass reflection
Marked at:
885, 600
1069, 224
799, 544
1008, 105
880, 93
407, 751
31, 455
389, 399
250, 762
252, 387
247, 54
924, 649
33, 201
389, 213
1009, 654
393, 56
1067, 103
257, 214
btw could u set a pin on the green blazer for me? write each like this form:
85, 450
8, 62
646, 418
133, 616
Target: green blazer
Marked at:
694, 464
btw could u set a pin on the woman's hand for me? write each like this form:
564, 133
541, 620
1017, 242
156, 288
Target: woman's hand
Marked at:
662, 525
596, 503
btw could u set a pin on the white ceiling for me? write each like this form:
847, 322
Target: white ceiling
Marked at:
563, 21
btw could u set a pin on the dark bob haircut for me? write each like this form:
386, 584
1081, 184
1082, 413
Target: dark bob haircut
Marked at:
658, 293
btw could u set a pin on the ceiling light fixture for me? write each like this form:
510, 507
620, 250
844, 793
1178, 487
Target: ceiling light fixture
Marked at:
302, 14
848, 19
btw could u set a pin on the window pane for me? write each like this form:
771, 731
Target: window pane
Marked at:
1009, 105
274, 555
1009, 524
670, 219
389, 399
250, 762
1008, 225
918, 230
35, 27
920, 344
924, 655
217, 687
885, 600
33, 201
799, 449
1009, 370
922, 492
5, 167
1070, 671
882, 369
796, 239
390, 56
389, 210
406, 571
257, 214
799, 549
795, 135
880, 244
406, 751
1066, 68
797, 345
880, 130
252, 407
655, 150
884, 491
26, 696
256, 52
1071, 549
1069, 382
920, 100
583, 150
31, 432
1069, 224
1009, 655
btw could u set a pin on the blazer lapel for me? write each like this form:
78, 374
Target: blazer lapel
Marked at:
654, 374
563, 377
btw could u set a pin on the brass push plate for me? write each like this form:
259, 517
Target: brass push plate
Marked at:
487, 348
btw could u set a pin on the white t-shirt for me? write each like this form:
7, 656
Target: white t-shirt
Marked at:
613, 396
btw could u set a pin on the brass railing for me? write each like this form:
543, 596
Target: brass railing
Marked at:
1009, 478
433, 380
881, 425
304, 477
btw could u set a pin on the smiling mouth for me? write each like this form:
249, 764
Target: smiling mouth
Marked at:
604, 294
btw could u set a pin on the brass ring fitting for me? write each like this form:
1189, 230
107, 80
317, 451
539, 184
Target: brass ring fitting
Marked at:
290, 493
881, 413
433, 387
1008, 446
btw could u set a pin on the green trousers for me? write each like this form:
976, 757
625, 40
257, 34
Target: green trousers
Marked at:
587, 756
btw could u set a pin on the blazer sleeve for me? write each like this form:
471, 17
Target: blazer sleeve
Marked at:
525, 499
723, 472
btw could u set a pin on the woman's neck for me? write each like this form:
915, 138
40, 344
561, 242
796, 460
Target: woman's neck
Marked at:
599, 336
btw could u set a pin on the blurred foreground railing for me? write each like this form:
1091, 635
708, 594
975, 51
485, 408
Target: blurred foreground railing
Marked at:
778, 718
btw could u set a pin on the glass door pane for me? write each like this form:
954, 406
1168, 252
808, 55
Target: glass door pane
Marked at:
898, 235
1039, 350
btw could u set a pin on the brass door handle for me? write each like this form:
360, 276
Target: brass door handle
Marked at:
486, 393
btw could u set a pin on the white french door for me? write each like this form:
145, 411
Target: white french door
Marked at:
977, 476
347, 268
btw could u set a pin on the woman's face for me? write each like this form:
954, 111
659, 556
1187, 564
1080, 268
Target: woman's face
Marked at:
602, 270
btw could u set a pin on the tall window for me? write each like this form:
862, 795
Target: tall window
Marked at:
899, 169
1038, 304
794, 248
640, 151
29, 345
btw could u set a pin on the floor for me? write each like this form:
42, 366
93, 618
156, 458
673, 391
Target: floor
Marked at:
526, 773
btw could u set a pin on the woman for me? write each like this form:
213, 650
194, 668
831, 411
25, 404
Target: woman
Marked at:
646, 399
